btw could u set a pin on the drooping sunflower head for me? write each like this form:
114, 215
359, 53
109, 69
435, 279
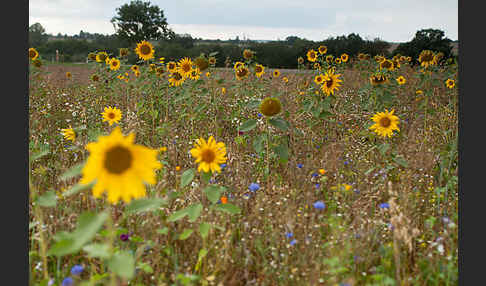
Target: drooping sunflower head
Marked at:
37, 63
248, 54
95, 77
171, 66
270, 106
212, 60
123, 52
202, 63
145, 50
101, 57
33, 54
69, 75
319, 79
331, 82
379, 58
300, 60
238, 65
92, 56
195, 74
135, 68
259, 70
329, 59
361, 56
311, 55
114, 64
209, 155
450, 83
322, 50
276, 73
385, 123
158, 71
337, 60
112, 115
387, 64
317, 66
119, 167
184, 66
401, 80
344, 58
68, 134
426, 58
176, 79
242, 72
378, 79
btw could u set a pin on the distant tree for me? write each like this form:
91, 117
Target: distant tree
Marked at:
140, 21
37, 35
426, 39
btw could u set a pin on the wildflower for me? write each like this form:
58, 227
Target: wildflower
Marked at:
259, 114
289, 234
285, 79
317, 185
322, 171
322, 50
259, 70
300, 166
209, 154
254, 187
224, 200
276, 73
320, 205
311, 55
178, 168
293, 242
124, 237
401, 80
68, 281
331, 82
426, 58
384, 206
314, 175
77, 269
223, 166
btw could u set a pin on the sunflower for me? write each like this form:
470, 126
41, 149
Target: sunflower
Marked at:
311, 56
202, 63
270, 106
92, 56
337, 60
385, 123
152, 67
300, 60
134, 68
68, 134
238, 65
401, 80
285, 79
69, 75
426, 58
212, 60
171, 66
317, 66
37, 63
195, 74
378, 79
438, 57
419, 92
123, 52
242, 72
223, 90
184, 67
248, 54
208, 74
137, 73
210, 155
176, 79
331, 82
329, 59
322, 50
158, 71
145, 50
276, 73
259, 70
387, 64
111, 114
119, 167
107, 61
319, 79
450, 83
95, 77
344, 58
409, 59
361, 56
379, 58
101, 57
396, 64
114, 64
403, 59
33, 54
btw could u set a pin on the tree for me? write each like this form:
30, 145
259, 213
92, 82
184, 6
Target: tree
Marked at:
37, 35
140, 21
426, 39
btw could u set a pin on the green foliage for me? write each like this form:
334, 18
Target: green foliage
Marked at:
426, 39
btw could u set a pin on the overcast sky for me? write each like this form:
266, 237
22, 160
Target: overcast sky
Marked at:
390, 20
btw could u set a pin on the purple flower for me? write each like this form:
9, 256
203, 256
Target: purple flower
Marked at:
223, 166
318, 185
314, 175
124, 237
356, 191
289, 234
68, 281
259, 114
320, 205
346, 162
254, 187
293, 242
300, 166
384, 206
77, 269
241, 132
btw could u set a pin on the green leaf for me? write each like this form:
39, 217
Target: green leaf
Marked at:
77, 188
229, 208
122, 264
48, 199
206, 176
39, 155
213, 193
185, 234
202, 253
383, 148
324, 114
253, 104
258, 143
178, 215
164, 230
73, 172
194, 211
99, 250
401, 161
204, 229
279, 123
143, 205
283, 152
248, 125
187, 177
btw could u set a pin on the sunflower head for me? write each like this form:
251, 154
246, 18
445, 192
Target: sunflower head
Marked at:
119, 167
37, 63
248, 54
387, 64
361, 56
385, 123
101, 57
270, 106
276, 73
114, 64
401, 80
202, 63
259, 70
438, 57
195, 74
238, 65
285, 79
112, 114
322, 50
158, 71
33, 54
171, 66
379, 58
337, 60
378, 79
209, 155
329, 59
450, 83
242, 72
135, 68
212, 60
426, 58
92, 56
176, 79
184, 66
145, 50
311, 55
95, 77
319, 79
331, 82
124, 52
69, 134
344, 58
69, 75
317, 66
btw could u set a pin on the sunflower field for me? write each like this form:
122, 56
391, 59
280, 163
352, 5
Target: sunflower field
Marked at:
342, 172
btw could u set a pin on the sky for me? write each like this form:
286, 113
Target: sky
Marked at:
389, 20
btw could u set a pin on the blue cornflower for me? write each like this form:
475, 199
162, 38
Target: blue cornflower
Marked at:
77, 269
346, 162
254, 187
320, 205
317, 146
289, 234
318, 185
259, 114
294, 241
68, 281
314, 175
223, 166
384, 205
300, 166
356, 191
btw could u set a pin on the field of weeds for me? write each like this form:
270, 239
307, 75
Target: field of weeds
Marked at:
309, 179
